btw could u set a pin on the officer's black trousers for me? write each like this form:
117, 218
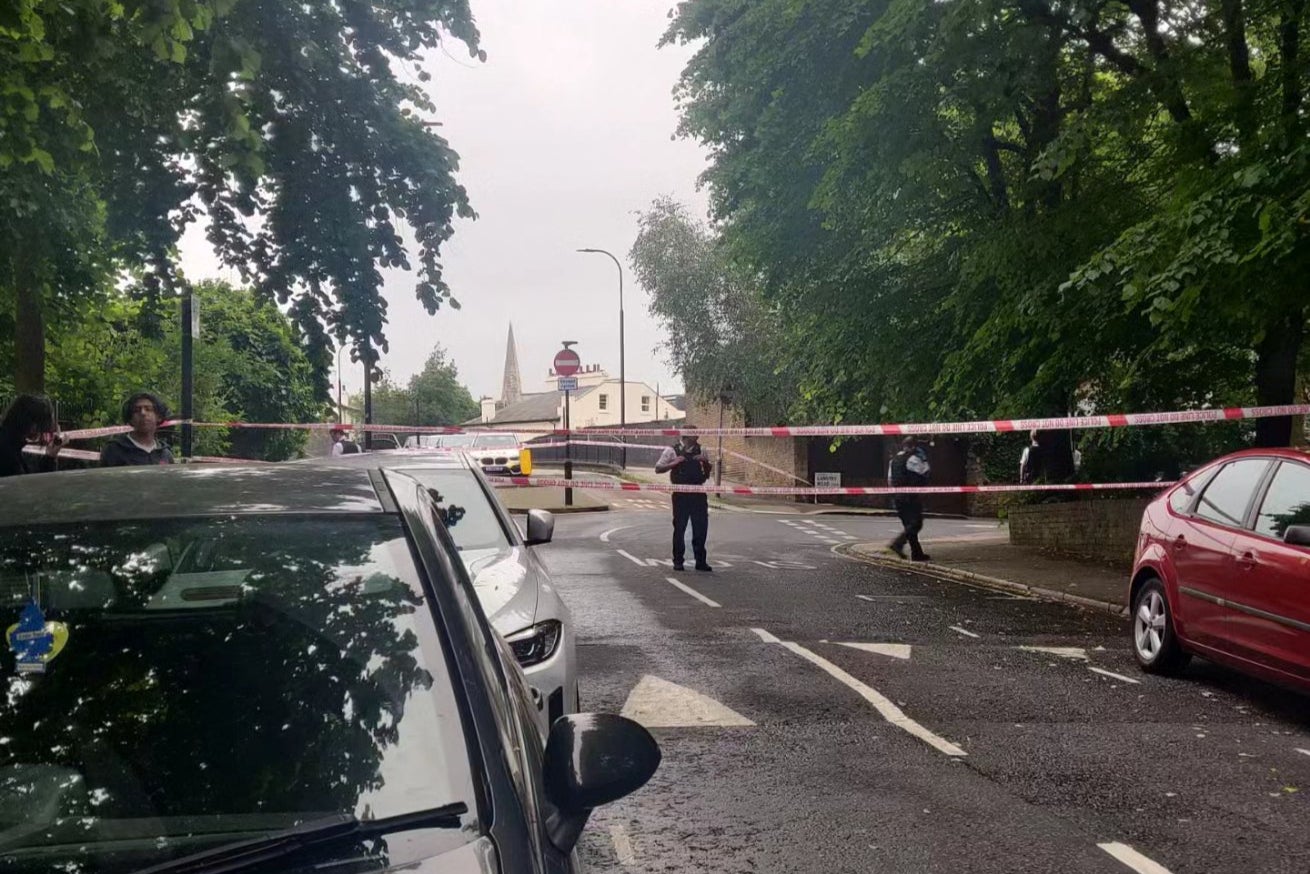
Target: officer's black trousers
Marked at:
694, 509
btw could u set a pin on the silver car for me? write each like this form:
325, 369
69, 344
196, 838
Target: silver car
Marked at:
513, 586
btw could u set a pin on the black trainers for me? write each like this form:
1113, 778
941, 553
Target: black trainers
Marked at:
677, 566
704, 567
923, 556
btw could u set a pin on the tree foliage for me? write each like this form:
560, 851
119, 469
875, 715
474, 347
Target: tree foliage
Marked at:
291, 130
433, 396
250, 365
721, 334
1001, 207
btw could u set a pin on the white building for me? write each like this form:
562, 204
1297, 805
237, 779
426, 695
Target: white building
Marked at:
595, 403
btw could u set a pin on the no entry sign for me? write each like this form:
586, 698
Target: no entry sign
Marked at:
567, 362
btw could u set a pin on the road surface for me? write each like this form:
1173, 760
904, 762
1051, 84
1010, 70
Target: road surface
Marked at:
818, 714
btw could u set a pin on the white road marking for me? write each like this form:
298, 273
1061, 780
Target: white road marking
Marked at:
1064, 652
831, 540
966, 632
889, 711
622, 845
1303, 752
630, 557
865, 598
894, 650
657, 703
1133, 859
695, 594
1112, 675
605, 537
769, 638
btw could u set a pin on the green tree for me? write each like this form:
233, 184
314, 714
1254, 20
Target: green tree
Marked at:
1012, 206
722, 335
438, 395
433, 396
285, 128
250, 365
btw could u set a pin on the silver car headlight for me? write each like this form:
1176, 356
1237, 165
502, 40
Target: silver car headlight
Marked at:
534, 645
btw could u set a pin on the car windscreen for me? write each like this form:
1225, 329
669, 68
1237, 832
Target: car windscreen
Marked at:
455, 441
176, 684
495, 441
465, 508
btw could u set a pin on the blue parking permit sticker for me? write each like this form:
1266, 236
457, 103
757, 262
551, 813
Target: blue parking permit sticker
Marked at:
31, 640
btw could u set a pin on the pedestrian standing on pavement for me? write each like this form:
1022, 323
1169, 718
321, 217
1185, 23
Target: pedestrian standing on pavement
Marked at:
144, 412
341, 445
28, 420
687, 464
909, 468
1032, 463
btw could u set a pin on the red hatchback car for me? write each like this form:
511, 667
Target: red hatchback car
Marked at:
1223, 569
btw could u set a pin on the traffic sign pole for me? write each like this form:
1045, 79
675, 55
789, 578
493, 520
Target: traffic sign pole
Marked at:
568, 452
566, 364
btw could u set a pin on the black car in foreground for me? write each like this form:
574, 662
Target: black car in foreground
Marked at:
271, 669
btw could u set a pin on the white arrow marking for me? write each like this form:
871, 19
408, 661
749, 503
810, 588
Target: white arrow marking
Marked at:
880, 702
708, 602
1112, 675
1064, 652
657, 703
623, 852
1133, 859
895, 650
630, 557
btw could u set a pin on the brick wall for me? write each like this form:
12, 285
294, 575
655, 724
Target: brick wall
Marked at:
784, 453
1100, 530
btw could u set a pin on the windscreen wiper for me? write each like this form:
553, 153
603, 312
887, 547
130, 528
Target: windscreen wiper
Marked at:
244, 855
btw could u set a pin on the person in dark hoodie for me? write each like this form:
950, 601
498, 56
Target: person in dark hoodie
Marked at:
28, 420
144, 412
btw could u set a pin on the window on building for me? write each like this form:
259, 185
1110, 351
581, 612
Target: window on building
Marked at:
604, 402
645, 403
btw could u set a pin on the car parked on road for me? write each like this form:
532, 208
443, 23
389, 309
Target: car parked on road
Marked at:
496, 453
1223, 569
283, 668
512, 583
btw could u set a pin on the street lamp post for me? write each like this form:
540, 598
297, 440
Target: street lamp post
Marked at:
623, 375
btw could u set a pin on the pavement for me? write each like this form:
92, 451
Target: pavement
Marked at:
996, 564
820, 713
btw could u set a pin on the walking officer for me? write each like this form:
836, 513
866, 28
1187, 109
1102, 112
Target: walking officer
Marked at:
909, 468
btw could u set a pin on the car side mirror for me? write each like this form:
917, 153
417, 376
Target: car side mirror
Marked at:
1297, 535
592, 759
541, 527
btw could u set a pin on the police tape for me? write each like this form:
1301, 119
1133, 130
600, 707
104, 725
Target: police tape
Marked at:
815, 491
984, 426
113, 430
661, 447
88, 455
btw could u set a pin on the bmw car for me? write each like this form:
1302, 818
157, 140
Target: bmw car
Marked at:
282, 668
513, 584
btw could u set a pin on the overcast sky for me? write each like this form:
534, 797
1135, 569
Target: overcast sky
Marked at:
563, 133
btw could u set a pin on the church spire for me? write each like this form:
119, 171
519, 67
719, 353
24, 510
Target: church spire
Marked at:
511, 389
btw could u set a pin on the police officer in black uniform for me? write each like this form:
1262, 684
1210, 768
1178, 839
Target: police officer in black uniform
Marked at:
687, 464
909, 468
